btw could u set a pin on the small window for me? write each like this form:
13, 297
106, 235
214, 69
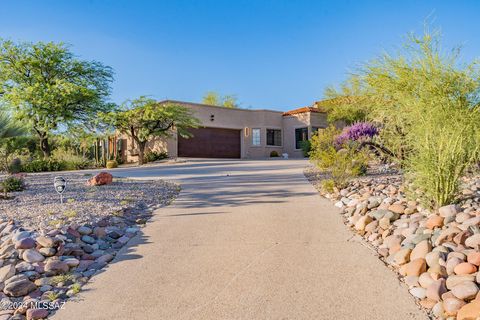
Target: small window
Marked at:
274, 137
256, 137
301, 134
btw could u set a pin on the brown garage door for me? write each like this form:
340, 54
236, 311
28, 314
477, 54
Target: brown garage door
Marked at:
210, 143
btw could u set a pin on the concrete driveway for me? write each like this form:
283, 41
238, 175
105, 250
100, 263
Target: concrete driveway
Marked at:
244, 240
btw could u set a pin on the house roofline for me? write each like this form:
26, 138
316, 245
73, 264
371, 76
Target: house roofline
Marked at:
212, 106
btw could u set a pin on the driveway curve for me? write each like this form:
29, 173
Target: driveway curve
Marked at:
244, 240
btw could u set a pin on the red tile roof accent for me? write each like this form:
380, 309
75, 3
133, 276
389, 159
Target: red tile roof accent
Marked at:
302, 110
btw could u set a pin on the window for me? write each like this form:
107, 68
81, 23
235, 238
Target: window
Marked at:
274, 137
301, 134
256, 137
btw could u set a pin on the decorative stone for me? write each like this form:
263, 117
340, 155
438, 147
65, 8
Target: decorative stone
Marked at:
452, 305
56, 266
469, 311
6, 272
474, 258
421, 250
473, 241
465, 268
35, 314
465, 291
362, 223
32, 255
88, 239
434, 221
100, 179
402, 256
25, 243
19, 288
46, 242
397, 208
436, 289
416, 267
84, 230
447, 211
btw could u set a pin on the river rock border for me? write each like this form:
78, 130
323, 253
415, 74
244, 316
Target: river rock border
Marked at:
40, 270
436, 254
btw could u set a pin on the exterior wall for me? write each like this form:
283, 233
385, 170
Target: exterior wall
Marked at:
241, 119
244, 120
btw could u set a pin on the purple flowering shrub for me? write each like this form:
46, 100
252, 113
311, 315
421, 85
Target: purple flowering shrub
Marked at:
355, 132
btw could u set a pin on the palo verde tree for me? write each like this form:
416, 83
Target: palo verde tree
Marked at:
214, 99
47, 86
143, 119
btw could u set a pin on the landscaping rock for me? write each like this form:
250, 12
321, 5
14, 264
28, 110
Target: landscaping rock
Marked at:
100, 179
465, 291
19, 288
32, 255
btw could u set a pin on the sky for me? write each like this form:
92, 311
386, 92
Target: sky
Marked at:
271, 54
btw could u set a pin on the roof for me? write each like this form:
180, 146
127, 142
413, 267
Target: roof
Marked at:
186, 103
302, 110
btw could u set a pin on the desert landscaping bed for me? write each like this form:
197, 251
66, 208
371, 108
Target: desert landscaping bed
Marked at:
435, 252
49, 250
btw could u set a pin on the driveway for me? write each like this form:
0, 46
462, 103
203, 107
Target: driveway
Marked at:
244, 240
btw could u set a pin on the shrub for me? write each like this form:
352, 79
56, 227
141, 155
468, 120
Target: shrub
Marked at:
111, 164
42, 165
342, 164
328, 185
306, 147
13, 183
274, 154
155, 156
357, 131
15, 166
70, 161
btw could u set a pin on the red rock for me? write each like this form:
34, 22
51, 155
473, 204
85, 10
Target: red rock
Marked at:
100, 179
34, 314
464, 268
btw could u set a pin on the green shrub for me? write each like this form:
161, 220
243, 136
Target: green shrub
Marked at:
70, 161
306, 147
13, 183
155, 156
328, 185
341, 164
42, 165
15, 166
111, 164
274, 154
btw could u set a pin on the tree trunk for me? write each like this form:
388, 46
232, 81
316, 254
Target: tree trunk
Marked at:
141, 153
44, 145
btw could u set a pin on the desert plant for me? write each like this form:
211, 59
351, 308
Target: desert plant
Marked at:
306, 146
155, 156
274, 154
341, 163
41, 165
111, 164
13, 183
328, 185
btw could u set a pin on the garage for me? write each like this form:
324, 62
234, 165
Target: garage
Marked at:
210, 143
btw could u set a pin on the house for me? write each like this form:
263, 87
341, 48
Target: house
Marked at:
237, 133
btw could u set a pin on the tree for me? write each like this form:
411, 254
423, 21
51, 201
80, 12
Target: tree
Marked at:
143, 119
214, 99
12, 139
48, 86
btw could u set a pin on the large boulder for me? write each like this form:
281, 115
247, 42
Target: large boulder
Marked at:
100, 179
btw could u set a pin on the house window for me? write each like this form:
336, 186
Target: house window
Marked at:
274, 137
301, 134
256, 137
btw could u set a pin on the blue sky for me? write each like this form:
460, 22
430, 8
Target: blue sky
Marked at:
271, 54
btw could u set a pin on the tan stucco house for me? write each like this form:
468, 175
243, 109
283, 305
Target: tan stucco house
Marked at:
237, 133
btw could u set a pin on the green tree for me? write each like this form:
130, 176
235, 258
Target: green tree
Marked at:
214, 99
48, 86
12, 139
427, 105
143, 119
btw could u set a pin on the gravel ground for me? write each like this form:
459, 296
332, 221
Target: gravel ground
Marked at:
39, 207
